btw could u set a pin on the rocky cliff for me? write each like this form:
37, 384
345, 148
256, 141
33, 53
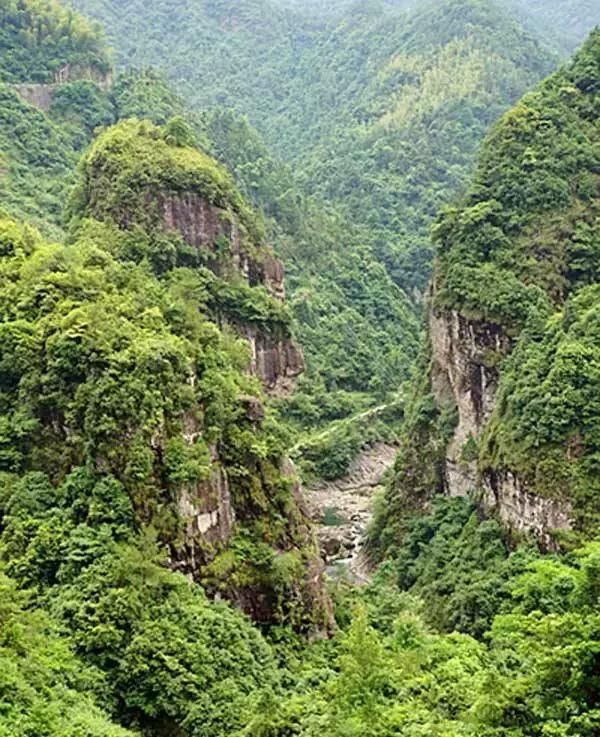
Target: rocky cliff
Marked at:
218, 237
241, 525
505, 410
465, 373
186, 197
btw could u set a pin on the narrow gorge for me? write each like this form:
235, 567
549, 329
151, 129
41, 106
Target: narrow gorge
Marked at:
299, 368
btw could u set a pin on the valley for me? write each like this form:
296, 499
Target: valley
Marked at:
299, 368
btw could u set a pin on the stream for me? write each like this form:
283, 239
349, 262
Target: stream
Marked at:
343, 509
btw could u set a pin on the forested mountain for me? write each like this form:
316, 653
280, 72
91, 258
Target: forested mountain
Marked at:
41, 39
564, 22
159, 573
362, 166
507, 402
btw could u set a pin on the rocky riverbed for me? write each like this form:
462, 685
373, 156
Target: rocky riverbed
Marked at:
343, 509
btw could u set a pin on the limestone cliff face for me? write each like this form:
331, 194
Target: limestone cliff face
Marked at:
464, 373
522, 511
276, 360
207, 510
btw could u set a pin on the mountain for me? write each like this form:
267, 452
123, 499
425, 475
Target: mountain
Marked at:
153, 216
506, 407
158, 569
404, 139
43, 42
357, 168
565, 22
139, 347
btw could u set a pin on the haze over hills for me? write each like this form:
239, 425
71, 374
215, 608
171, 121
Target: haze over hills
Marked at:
377, 114
565, 22
159, 568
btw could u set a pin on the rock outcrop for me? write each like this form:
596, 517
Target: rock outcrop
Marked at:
464, 373
42, 95
181, 193
217, 233
240, 527
523, 512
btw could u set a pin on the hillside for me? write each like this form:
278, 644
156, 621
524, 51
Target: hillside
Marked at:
357, 169
136, 447
404, 142
506, 410
565, 22
41, 41
159, 573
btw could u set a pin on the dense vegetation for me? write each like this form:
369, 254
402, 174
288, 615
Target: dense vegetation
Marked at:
391, 672
124, 391
521, 252
546, 424
564, 22
366, 166
39, 38
39, 152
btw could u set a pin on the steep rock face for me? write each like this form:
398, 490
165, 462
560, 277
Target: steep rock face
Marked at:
37, 95
277, 361
507, 409
137, 177
207, 509
511, 253
464, 353
217, 232
521, 511
464, 372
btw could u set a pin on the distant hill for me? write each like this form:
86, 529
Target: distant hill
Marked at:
374, 115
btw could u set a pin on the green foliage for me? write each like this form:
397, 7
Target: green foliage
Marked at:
564, 22
458, 565
528, 194
36, 161
45, 690
120, 387
134, 157
357, 328
328, 454
418, 472
387, 672
146, 95
82, 107
39, 38
546, 424
521, 251
174, 660
363, 172
103, 366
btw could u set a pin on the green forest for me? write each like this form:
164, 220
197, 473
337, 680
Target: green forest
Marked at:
349, 167
244, 246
